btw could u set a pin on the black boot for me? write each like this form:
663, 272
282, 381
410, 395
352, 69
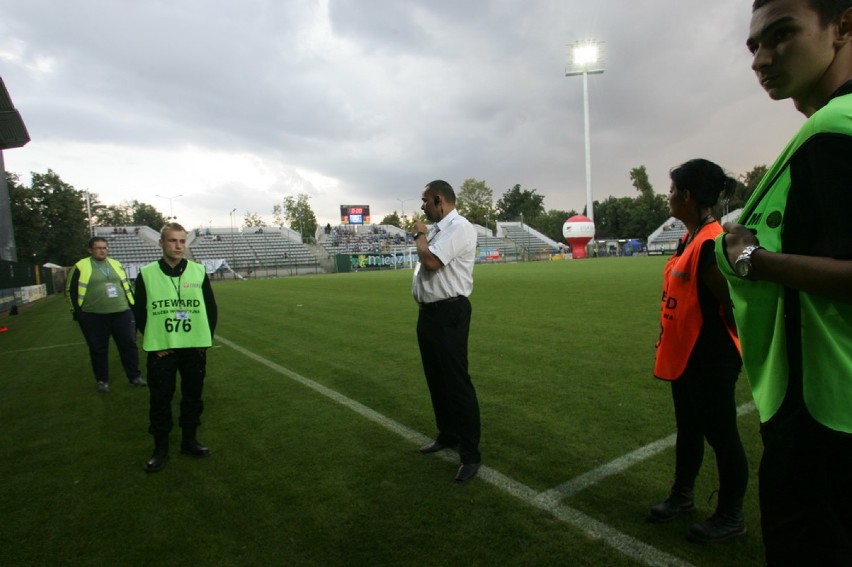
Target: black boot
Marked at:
726, 523
680, 501
191, 446
160, 456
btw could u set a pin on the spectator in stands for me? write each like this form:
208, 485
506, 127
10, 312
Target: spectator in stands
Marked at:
101, 301
789, 268
176, 314
443, 280
698, 351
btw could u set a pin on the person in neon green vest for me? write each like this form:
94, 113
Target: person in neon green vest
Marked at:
788, 263
176, 314
101, 301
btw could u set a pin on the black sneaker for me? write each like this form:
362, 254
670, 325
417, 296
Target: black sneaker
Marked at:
138, 382
675, 505
719, 527
103, 387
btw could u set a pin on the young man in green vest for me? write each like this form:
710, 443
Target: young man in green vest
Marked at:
789, 268
101, 301
176, 314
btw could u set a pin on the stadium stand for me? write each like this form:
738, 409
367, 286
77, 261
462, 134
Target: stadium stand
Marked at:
131, 245
665, 239
263, 249
385, 239
357, 239
529, 241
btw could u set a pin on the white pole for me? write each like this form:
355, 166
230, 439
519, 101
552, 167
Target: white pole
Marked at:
589, 203
89, 214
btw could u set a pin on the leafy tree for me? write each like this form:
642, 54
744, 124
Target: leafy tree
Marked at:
639, 178
475, 202
747, 184
408, 222
143, 214
517, 204
27, 222
298, 213
612, 217
650, 209
550, 223
63, 210
126, 213
110, 215
631, 217
253, 220
392, 219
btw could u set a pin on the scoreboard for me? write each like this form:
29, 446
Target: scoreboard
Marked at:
354, 214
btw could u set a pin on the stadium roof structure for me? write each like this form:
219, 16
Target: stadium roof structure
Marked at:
13, 132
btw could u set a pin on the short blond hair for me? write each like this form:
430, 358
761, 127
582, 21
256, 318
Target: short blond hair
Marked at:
171, 227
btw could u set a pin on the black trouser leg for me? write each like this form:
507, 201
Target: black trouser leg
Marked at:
123, 330
162, 375
705, 406
193, 369
96, 330
442, 333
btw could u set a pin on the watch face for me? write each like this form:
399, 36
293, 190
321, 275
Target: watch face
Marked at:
743, 268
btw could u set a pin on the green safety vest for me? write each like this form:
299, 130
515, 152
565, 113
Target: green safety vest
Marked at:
177, 315
84, 266
759, 309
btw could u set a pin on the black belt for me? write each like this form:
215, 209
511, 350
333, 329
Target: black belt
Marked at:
437, 304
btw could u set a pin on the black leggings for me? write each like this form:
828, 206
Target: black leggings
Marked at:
705, 407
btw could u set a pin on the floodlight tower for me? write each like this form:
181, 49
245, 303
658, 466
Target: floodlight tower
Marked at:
586, 58
172, 216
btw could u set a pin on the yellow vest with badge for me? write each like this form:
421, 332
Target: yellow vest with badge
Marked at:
84, 267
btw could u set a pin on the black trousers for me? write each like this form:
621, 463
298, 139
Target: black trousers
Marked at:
162, 380
705, 407
805, 493
97, 329
442, 333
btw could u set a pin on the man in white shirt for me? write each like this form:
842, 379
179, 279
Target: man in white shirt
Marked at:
443, 280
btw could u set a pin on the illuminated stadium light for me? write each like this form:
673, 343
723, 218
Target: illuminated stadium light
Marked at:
586, 58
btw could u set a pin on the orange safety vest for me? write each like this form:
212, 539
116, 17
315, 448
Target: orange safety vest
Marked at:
680, 311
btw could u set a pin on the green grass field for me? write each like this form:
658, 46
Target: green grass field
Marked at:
315, 406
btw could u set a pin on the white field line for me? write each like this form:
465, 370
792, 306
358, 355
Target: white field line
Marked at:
40, 348
577, 484
629, 546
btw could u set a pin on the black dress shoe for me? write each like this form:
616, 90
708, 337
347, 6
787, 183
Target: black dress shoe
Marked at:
467, 471
195, 449
435, 446
157, 461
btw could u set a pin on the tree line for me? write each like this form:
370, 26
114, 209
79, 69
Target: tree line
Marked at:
51, 218
615, 217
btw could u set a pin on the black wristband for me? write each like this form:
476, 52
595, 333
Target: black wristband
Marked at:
417, 235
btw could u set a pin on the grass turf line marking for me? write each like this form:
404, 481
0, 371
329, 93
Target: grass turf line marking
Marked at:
594, 529
577, 484
40, 348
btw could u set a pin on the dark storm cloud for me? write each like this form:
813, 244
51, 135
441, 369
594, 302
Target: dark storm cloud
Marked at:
382, 96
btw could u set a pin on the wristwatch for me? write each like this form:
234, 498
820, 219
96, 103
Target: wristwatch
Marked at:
743, 266
417, 235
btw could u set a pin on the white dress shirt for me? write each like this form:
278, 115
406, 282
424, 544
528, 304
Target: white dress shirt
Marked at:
453, 241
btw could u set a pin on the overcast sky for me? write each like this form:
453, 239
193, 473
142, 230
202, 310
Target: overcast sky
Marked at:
238, 104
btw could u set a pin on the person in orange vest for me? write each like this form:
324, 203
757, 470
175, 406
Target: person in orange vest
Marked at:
699, 353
